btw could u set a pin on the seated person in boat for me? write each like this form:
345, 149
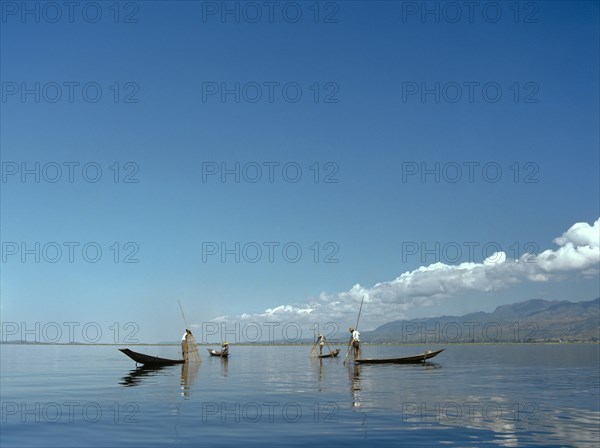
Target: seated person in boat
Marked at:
225, 348
355, 341
185, 343
321, 342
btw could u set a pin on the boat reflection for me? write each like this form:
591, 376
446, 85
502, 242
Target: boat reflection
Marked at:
189, 373
354, 371
134, 377
224, 360
319, 363
321, 374
224, 367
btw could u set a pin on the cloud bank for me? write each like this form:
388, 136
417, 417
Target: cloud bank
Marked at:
578, 251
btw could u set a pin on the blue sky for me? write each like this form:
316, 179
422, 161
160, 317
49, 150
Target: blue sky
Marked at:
539, 112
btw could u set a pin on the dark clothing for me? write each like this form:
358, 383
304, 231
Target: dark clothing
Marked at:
356, 349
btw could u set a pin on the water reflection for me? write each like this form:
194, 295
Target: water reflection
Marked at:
321, 374
354, 374
189, 373
224, 360
134, 377
430, 365
487, 402
224, 367
525, 396
320, 364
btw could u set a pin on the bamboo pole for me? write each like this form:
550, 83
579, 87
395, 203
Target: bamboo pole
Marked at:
355, 328
183, 315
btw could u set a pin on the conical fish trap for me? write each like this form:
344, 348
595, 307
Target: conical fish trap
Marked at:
192, 354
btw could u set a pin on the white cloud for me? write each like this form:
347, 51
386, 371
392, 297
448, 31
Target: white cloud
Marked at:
581, 234
578, 251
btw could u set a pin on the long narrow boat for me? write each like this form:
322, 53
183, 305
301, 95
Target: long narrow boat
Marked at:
216, 353
405, 360
332, 354
140, 358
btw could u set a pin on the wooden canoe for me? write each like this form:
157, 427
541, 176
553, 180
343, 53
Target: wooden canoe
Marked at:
140, 358
216, 353
405, 360
333, 354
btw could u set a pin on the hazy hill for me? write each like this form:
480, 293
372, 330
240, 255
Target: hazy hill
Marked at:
533, 320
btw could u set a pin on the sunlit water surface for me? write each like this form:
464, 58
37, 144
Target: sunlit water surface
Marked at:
470, 395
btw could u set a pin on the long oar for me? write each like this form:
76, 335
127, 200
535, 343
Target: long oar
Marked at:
356, 328
348, 351
313, 349
328, 346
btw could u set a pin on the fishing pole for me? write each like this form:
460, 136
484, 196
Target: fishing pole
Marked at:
183, 315
328, 346
355, 328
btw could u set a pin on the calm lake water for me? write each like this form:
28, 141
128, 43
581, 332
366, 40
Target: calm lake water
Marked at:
473, 395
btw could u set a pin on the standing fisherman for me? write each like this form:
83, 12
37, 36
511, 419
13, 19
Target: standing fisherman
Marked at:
185, 344
321, 342
355, 342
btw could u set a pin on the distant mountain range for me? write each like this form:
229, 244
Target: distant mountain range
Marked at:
530, 321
